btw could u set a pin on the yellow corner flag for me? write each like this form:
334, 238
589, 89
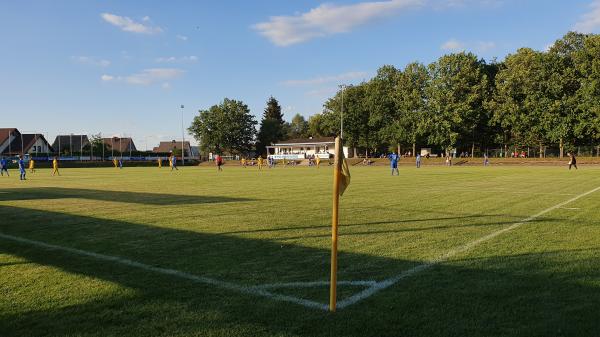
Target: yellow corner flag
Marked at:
341, 180
344, 173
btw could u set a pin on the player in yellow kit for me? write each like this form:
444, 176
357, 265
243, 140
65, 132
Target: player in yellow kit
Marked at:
55, 167
159, 161
31, 165
260, 162
115, 162
243, 162
318, 161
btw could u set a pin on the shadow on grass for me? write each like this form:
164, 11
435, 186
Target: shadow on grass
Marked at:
45, 193
516, 296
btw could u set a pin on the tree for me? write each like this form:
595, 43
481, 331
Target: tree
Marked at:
273, 111
378, 107
519, 101
298, 127
96, 145
456, 94
272, 126
587, 63
406, 121
227, 127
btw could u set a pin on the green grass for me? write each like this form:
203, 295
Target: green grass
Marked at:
253, 228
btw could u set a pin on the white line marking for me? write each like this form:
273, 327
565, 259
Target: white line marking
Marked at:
314, 284
445, 257
172, 272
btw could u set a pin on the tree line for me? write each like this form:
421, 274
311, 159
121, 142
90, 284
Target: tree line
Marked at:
531, 98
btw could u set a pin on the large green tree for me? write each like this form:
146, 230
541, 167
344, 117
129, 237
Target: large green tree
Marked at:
456, 93
298, 127
272, 126
405, 122
587, 63
227, 127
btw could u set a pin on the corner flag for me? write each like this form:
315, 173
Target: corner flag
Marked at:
344, 172
341, 180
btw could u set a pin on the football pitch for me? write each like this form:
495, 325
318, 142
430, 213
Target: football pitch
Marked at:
438, 251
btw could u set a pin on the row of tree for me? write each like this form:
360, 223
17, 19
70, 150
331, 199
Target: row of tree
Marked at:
531, 98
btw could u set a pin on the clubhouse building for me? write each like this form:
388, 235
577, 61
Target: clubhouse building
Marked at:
293, 149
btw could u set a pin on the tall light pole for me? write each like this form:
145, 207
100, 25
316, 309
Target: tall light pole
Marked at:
182, 139
343, 87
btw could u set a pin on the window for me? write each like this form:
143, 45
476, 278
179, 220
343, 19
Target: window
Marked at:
39, 149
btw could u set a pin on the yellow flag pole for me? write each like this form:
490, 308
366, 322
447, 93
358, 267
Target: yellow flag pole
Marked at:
334, 225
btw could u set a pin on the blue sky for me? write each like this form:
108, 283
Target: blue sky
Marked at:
125, 67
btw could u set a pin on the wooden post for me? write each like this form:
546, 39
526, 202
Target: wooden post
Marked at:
334, 225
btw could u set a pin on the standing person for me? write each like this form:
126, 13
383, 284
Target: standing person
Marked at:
159, 161
115, 162
486, 160
31, 165
259, 160
55, 166
394, 163
418, 160
120, 163
4, 166
572, 161
219, 162
22, 170
318, 161
173, 161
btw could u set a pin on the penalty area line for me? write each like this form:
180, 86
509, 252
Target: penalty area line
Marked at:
250, 290
381, 285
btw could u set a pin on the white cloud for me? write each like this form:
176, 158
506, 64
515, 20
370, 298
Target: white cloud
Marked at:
166, 85
128, 25
182, 37
173, 59
323, 92
90, 61
590, 21
485, 46
328, 19
147, 76
327, 79
453, 45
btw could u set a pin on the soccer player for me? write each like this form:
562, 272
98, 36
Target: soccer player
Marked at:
120, 163
55, 166
115, 162
22, 169
4, 167
159, 161
260, 162
573, 161
31, 165
418, 160
486, 160
318, 161
219, 162
394, 163
173, 161
243, 161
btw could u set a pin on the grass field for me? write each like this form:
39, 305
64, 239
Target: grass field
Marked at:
435, 252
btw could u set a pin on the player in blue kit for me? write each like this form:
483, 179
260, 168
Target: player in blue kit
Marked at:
4, 166
394, 162
22, 170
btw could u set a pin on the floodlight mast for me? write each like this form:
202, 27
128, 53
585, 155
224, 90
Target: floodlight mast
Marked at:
343, 87
182, 139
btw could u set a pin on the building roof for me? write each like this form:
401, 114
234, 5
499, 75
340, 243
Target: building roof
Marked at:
121, 144
76, 142
169, 146
4, 134
28, 140
307, 141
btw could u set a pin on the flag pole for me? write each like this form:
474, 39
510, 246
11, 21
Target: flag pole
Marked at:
334, 225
